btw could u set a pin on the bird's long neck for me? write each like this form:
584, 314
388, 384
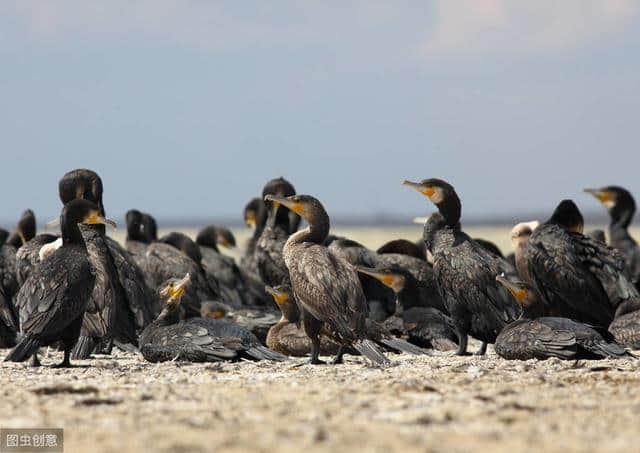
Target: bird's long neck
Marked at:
316, 232
621, 217
408, 297
451, 209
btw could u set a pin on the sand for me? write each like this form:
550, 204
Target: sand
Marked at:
421, 403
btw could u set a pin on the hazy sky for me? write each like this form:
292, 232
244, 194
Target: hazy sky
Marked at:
186, 108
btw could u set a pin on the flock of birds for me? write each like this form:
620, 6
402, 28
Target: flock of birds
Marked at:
304, 292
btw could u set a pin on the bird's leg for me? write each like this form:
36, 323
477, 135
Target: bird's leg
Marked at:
338, 358
312, 326
483, 349
462, 342
66, 363
34, 360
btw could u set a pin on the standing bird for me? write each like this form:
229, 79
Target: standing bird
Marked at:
269, 256
53, 300
120, 306
622, 207
465, 271
578, 277
326, 287
535, 336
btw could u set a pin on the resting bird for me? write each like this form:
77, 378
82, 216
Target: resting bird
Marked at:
538, 337
197, 339
54, 298
326, 287
578, 277
622, 207
465, 271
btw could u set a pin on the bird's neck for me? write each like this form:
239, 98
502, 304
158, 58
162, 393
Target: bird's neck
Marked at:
621, 218
407, 298
451, 210
316, 232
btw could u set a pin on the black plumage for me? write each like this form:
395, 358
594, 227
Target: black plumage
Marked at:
269, 257
52, 302
326, 287
164, 261
257, 321
622, 207
29, 255
197, 339
231, 282
464, 271
534, 337
578, 277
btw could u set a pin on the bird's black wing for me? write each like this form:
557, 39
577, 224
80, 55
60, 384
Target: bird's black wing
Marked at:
55, 294
269, 258
527, 339
560, 269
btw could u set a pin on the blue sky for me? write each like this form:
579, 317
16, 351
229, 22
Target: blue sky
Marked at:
186, 108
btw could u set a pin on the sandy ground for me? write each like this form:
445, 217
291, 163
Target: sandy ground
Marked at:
429, 403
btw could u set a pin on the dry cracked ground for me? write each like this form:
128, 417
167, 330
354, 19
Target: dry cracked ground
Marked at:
428, 403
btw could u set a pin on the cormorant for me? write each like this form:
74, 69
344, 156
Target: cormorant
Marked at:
578, 277
271, 266
428, 327
197, 339
121, 302
326, 287
538, 337
25, 230
53, 300
598, 235
230, 280
489, 246
136, 240
622, 207
625, 328
30, 254
149, 227
465, 271
257, 321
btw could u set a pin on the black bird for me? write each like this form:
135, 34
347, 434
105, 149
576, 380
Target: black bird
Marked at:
326, 287
197, 339
489, 246
136, 240
625, 328
538, 337
121, 303
53, 300
255, 216
30, 254
149, 227
172, 257
622, 207
578, 277
223, 268
465, 271
25, 230
271, 266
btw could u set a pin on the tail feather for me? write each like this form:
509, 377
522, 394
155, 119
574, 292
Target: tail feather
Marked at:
401, 345
609, 350
84, 348
23, 350
264, 353
371, 351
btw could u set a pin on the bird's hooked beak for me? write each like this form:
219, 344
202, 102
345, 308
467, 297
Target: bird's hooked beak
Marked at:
94, 218
519, 293
424, 190
279, 297
393, 281
605, 197
174, 290
287, 202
